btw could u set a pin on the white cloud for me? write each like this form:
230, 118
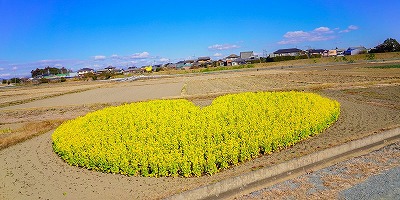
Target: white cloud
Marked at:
349, 28
223, 46
99, 57
218, 54
5, 75
323, 29
114, 56
1, 69
140, 55
318, 34
352, 27
164, 60
14, 68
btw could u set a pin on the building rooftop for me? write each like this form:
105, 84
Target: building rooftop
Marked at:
291, 50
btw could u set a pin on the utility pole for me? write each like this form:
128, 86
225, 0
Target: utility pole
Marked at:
15, 76
308, 51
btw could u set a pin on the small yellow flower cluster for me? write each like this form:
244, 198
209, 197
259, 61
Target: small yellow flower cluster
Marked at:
176, 138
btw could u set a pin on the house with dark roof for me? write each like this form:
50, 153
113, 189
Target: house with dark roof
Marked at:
232, 57
132, 70
288, 52
316, 51
228, 60
202, 60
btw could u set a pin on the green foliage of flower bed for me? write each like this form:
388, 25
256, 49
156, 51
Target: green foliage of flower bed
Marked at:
177, 138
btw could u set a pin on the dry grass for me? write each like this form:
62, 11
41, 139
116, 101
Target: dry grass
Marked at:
10, 137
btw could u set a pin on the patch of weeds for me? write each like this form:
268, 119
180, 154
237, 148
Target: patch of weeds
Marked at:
5, 131
370, 56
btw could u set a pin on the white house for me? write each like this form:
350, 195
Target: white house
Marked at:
85, 71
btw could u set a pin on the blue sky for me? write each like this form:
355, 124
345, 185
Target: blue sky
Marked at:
95, 34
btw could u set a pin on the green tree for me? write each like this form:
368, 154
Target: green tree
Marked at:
15, 80
389, 45
49, 71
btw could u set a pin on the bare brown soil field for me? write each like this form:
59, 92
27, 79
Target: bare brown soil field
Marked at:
110, 93
369, 97
18, 95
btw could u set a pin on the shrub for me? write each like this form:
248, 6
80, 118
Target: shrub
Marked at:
44, 80
370, 56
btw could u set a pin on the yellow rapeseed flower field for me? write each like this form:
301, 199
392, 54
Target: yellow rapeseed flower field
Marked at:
177, 138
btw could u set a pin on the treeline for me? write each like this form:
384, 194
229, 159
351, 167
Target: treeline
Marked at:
49, 71
12, 80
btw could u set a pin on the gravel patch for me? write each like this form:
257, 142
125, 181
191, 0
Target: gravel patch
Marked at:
375, 175
383, 186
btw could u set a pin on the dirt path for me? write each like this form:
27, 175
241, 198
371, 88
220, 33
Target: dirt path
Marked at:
31, 170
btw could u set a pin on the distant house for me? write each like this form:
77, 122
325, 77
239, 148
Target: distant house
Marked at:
288, 52
332, 52
316, 51
221, 62
232, 57
247, 55
133, 70
110, 69
171, 65
188, 63
355, 50
83, 71
72, 74
238, 61
228, 60
202, 60
336, 52
180, 64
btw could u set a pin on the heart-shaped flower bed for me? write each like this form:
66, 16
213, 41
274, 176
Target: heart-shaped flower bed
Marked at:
175, 137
